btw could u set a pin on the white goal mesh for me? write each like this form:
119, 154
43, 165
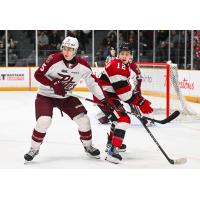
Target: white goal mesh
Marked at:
161, 85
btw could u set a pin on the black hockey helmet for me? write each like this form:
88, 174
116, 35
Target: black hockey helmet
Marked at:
124, 47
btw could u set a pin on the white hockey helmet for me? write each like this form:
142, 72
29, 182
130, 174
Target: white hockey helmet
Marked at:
70, 42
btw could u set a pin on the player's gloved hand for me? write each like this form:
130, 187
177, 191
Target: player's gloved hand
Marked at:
110, 105
145, 107
107, 104
143, 104
58, 87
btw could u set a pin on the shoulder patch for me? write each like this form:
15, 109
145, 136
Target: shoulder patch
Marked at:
53, 58
49, 58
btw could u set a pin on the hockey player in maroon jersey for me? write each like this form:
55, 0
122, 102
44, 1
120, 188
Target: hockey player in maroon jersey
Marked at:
116, 86
58, 75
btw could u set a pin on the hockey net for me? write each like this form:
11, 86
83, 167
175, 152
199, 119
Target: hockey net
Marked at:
161, 85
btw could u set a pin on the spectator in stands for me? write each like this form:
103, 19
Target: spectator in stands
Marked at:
54, 41
113, 35
12, 43
174, 41
197, 50
133, 47
31, 35
31, 59
163, 51
2, 48
111, 56
84, 56
43, 42
197, 56
2, 53
181, 49
12, 52
83, 40
121, 38
12, 58
133, 34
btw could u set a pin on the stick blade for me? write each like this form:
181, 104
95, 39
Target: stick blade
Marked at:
180, 161
171, 117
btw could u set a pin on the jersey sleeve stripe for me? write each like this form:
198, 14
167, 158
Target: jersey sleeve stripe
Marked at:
123, 90
104, 78
132, 98
117, 78
126, 96
120, 84
108, 88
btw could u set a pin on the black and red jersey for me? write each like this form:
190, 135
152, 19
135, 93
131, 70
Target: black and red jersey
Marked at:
115, 80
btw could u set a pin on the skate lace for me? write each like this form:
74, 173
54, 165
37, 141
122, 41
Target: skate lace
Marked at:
114, 150
90, 148
32, 152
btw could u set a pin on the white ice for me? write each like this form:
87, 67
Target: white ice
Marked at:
63, 149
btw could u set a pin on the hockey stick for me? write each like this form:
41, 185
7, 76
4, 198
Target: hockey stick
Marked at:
140, 117
164, 121
171, 161
171, 117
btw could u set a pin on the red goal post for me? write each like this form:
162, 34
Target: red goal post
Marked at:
166, 67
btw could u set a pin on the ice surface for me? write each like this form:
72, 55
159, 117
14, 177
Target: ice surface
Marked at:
63, 149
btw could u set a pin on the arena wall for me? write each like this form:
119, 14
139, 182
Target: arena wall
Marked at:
22, 79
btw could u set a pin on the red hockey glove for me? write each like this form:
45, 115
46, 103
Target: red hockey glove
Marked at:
143, 104
58, 87
145, 107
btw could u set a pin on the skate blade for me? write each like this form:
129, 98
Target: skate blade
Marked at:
112, 160
96, 157
26, 162
120, 150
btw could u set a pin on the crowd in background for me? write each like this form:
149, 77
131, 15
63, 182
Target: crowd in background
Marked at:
21, 45
197, 49
12, 44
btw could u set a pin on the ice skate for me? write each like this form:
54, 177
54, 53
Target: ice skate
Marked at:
90, 150
108, 145
113, 155
31, 154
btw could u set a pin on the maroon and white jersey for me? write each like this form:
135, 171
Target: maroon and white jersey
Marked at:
56, 67
114, 80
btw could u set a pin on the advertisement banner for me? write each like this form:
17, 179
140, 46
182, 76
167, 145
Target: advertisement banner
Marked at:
154, 81
14, 77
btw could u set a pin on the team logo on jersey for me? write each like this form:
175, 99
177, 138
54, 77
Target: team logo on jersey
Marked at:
67, 82
64, 71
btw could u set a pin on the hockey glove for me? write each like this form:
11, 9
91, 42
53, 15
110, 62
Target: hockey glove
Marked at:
143, 104
111, 105
107, 104
58, 87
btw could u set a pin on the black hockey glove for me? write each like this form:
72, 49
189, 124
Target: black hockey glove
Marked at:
112, 105
107, 104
